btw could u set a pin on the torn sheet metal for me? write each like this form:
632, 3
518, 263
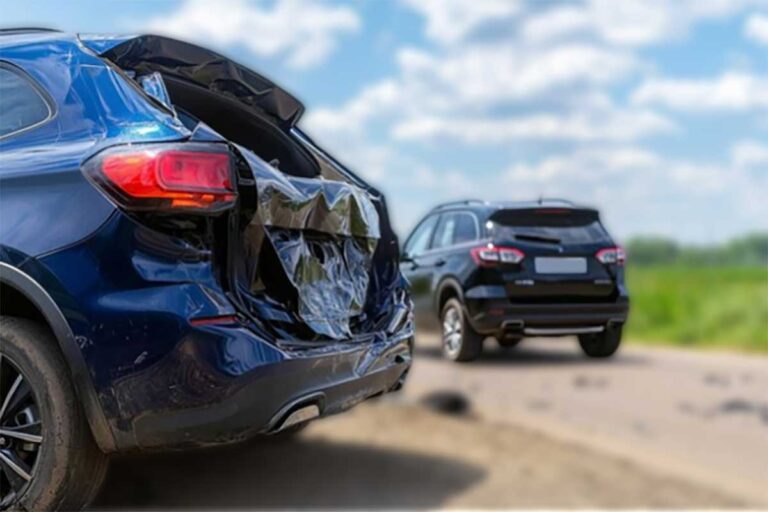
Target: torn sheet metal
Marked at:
218, 74
317, 259
324, 234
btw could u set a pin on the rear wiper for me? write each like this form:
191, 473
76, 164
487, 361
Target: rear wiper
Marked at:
538, 238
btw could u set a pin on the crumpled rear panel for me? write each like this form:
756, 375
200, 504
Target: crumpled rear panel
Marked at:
323, 233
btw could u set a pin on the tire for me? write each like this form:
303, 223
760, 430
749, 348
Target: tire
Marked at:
65, 467
460, 342
508, 343
603, 344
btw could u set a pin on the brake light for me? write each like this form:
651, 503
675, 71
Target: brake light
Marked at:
166, 177
611, 255
490, 255
213, 320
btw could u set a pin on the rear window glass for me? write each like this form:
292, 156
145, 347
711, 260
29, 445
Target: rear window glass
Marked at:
549, 228
21, 105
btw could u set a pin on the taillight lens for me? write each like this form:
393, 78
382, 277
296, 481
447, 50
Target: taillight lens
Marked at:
611, 255
166, 177
491, 255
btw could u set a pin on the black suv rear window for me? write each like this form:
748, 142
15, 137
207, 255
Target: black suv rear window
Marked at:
556, 226
21, 105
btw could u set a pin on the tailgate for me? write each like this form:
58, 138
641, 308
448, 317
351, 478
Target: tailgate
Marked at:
593, 283
559, 246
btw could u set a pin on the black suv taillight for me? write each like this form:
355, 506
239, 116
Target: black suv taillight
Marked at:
490, 255
611, 255
185, 177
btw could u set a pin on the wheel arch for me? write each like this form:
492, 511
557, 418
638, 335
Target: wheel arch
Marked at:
40, 306
448, 287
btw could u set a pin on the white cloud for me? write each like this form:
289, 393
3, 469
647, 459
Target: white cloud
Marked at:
474, 81
554, 78
750, 153
756, 28
636, 189
640, 191
730, 91
305, 32
488, 74
628, 22
352, 117
450, 21
557, 22
613, 126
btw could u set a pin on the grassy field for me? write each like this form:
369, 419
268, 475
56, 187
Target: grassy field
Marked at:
719, 307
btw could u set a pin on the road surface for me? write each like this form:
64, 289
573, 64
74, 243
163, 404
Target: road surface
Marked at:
700, 414
544, 428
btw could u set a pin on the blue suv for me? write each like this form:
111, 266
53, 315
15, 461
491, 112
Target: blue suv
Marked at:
180, 265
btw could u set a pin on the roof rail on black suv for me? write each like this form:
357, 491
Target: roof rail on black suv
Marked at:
511, 270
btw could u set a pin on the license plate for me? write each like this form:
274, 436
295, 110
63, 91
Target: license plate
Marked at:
561, 265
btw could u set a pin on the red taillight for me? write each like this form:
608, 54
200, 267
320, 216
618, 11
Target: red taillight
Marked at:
192, 177
213, 320
611, 255
490, 255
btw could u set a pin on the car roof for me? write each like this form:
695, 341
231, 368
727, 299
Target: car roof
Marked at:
174, 57
492, 206
26, 36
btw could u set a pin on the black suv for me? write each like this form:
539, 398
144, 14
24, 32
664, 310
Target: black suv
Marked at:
509, 270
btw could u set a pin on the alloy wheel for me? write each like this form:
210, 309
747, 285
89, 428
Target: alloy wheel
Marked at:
452, 331
21, 432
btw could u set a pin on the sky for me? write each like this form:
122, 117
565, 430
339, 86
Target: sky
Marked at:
653, 111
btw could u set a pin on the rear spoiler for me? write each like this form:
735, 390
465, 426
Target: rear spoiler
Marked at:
202, 67
545, 216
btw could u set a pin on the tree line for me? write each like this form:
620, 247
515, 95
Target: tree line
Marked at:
748, 250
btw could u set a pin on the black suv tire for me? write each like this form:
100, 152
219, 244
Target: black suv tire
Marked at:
460, 342
603, 344
67, 468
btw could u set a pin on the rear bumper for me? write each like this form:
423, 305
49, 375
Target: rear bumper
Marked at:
161, 382
496, 316
224, 385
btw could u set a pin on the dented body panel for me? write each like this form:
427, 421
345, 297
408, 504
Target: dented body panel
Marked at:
305, 266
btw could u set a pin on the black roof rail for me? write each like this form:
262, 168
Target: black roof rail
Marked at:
458, 203
25, 30
553, 200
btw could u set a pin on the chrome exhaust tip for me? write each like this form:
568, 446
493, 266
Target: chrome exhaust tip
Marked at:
300, 415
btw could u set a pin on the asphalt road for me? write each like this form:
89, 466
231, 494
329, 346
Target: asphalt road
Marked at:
703, 415
539, 426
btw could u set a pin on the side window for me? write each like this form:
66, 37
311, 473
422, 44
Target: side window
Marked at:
21, 104
445, 231
455, 228
419, 240
466, 228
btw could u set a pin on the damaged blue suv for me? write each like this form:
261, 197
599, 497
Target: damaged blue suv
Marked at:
180, 265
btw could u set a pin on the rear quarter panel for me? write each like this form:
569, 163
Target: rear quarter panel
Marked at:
45, 201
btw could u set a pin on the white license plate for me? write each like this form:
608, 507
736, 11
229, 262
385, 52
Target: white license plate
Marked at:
560, 265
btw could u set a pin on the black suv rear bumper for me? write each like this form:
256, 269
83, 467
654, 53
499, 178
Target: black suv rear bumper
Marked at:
495, 317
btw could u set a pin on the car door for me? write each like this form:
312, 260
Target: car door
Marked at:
455, 235
415, 263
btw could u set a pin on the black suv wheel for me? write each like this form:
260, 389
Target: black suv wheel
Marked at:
48, 459
460, 341
603, 344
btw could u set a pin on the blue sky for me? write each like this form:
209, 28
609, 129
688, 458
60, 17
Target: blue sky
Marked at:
652, 110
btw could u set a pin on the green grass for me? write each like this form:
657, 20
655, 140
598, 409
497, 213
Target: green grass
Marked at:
718, 307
